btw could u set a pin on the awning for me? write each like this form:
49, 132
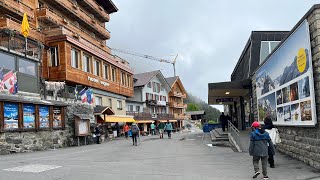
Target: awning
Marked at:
167, 120
227, 92
144, 121
114, 119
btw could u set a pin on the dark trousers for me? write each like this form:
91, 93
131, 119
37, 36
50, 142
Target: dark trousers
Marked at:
98, 139
126, 134
264, 163
271, 160
134, 139
169, 133
223, 125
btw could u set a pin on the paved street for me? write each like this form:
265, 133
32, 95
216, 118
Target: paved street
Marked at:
186, 156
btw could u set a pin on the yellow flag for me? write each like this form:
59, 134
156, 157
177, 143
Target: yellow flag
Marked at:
25, 26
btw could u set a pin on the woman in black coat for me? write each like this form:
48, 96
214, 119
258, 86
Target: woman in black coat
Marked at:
269, 125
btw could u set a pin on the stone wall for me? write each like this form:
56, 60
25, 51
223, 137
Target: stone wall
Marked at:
301, 142
15, 142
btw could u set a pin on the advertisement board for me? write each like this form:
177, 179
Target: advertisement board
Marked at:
28, 116
44, 116
57, 117
284, 83
11, 116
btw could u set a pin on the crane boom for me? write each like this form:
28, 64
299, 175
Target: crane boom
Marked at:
149, 57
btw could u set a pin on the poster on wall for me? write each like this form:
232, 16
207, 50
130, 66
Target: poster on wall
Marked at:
11, 116
56, 117
44, 116
284, 84
28, 116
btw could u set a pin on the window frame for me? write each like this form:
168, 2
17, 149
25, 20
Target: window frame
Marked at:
77, 64
106, 74
269, 48
55, 62
113, 75
110, 102
86, 58
96, 67
98, 99
26, 72
119, 104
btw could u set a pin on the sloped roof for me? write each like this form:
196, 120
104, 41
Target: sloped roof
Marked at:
144, 78
171, 80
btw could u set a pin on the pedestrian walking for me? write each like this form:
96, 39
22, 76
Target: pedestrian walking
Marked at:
260, 143
134, 133
274, 135
117, 128
223, 121
97, 133
161, 129
168, 127
153, 129
126, 129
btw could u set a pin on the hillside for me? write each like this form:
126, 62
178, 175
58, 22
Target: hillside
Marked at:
195, 103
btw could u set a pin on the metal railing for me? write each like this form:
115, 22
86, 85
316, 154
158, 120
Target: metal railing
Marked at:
234, 133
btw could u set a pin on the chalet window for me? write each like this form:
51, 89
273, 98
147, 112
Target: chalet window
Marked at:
7, 61
86, 63
119, 105
153, 86
44, 116
54, 56
158, 87
110, 103
130, 108
128, 80
96, 70
138, 108
106, 71
98, 101
27, 67
74, 58
29, 116
149, 85
147, 96
114, 74
40, 5
11, 117
123, 78
266, 48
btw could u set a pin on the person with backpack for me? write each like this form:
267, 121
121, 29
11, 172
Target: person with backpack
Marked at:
161, 129
134, 133
168, 127
260, 145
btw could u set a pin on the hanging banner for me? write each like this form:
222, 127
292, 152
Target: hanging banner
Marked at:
284, 84
56, 117
28, 116
11, 116
44, 116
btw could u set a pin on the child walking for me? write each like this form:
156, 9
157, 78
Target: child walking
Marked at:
260, 143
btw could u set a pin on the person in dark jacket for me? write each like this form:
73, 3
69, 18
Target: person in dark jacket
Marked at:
97, 133
269, 125
260, 143
223, 121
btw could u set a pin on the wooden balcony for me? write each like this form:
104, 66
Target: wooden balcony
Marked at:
14, 24
16, 8
176, 105
93, 7
85, 39
72, 10
178, 94
149, 116
179, 116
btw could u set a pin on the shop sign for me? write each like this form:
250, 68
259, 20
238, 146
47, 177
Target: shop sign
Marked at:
11, 116
56, 117
44, 116
284, 84
28, 116
224, 100
98, 81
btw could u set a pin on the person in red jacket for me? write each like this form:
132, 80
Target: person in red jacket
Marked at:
126, 129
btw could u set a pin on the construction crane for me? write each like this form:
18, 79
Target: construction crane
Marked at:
173, 62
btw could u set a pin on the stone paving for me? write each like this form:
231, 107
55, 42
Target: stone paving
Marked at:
186, 156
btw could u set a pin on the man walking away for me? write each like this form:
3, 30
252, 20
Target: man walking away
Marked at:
153, 128
268, 126
126, 130
168, 128
223, 120
161, 129
260, 143
97, 132
134, 132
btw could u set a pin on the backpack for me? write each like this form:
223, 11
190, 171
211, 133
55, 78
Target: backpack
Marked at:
134, 130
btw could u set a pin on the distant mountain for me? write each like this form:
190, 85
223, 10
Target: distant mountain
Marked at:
211, 112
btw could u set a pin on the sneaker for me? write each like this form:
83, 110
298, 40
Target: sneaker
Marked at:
272, 166
256, 174
265, 177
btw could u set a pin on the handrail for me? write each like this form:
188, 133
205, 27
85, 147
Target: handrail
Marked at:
234, 136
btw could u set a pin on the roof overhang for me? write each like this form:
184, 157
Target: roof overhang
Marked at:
108, 5
226, 92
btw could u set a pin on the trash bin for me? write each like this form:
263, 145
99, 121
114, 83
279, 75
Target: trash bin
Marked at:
206, 128
115, 134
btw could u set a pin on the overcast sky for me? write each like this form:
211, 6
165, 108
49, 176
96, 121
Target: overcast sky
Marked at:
208, 35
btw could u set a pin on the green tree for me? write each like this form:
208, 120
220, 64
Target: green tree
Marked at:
192, 107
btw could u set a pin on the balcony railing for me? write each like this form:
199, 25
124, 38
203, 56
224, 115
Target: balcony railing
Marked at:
179, 94
7, 22
72, 9
156, 103
176, 105
179, 116
149, 116
17, 8
97, 10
